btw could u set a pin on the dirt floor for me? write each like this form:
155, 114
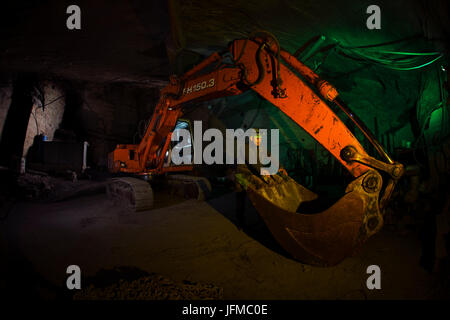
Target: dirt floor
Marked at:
193, 241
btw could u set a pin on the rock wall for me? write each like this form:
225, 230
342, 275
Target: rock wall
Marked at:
5, 101
46, 118
103, 114
111, 114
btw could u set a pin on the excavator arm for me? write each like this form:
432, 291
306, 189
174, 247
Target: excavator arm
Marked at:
261, 65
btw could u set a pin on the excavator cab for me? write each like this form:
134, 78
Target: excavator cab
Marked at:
186, 150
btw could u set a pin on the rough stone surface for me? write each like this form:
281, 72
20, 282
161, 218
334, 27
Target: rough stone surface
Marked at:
45, 120
199, 242
5, 101
151, 287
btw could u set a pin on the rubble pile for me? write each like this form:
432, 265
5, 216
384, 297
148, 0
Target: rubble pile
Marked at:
151, 287
45, 187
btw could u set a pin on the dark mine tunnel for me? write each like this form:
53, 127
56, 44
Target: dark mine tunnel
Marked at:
224, 150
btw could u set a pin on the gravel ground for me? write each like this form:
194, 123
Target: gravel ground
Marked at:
149, 287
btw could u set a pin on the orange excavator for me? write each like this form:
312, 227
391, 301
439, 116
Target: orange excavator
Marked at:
258, 63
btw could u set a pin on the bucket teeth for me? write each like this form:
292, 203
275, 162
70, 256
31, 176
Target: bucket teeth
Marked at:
281, 190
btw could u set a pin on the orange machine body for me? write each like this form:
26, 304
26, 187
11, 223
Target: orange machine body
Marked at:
260, 65
293, 96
